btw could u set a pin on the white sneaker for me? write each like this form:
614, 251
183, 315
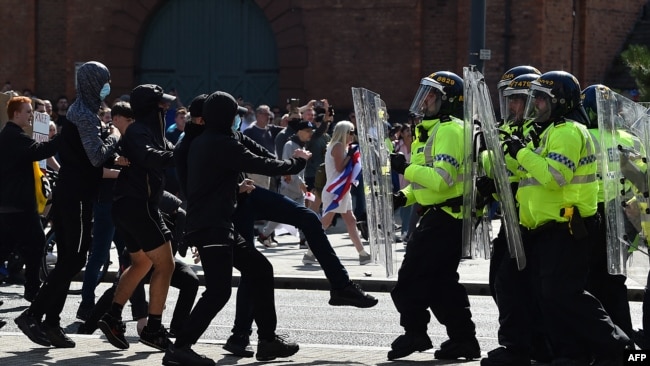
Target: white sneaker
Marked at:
50, 258
267, 241
309, 258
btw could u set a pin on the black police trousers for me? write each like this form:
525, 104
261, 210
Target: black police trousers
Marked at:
609, 289
428, 278
576, 322
520, 327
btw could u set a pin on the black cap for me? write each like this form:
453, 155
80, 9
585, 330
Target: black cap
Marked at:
145, 98
196, 107
219, 110
303, 125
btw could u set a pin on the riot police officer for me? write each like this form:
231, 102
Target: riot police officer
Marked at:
428, 277
504, 82
608, 288
512, 114
520, 334
557, 208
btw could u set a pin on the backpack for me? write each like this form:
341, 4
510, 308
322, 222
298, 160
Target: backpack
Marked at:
42, 188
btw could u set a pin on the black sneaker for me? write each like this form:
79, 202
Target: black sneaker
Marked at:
278, 347
155, 338
31, 292
31, 327
352, 295
408, 343
185, 356
84, 312
57, 336
113, 329
239, 345
85, 328
641, 339
454, 349
503, 356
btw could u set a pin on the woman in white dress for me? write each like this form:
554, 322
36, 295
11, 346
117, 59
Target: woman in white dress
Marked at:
336, 159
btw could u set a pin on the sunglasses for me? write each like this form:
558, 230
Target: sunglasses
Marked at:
351, 132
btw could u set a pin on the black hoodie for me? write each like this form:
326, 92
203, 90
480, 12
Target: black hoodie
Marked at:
146, 147
82, 151
215, 160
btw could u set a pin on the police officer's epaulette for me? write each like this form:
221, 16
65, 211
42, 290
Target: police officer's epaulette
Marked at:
445, 118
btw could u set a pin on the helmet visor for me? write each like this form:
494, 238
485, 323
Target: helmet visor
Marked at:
538, 106
503, 103
515, 106
427, 85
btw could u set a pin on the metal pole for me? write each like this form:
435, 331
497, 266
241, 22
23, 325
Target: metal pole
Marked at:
477, 33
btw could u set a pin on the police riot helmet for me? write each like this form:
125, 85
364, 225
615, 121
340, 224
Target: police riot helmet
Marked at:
449, 89
589, 103
506, 78
516, 96
553, 96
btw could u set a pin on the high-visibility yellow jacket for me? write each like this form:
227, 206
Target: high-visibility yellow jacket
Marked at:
436, 170
560, 173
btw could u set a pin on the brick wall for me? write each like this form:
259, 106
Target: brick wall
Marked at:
326, 47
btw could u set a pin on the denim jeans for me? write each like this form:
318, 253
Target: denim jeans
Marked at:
262, 204
103, 232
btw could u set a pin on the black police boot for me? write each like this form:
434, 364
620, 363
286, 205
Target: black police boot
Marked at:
503, 356
408, 343
455, 349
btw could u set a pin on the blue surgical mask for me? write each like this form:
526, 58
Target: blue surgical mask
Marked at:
236, 123
106, 90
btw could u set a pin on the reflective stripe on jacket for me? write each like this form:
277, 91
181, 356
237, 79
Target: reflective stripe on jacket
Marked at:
436, 170
560, 173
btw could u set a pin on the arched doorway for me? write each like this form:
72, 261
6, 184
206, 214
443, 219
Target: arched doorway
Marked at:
199, 46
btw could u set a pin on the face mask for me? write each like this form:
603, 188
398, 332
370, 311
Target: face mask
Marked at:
106, 90
236, 123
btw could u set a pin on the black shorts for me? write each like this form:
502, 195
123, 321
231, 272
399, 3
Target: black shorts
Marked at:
139, 224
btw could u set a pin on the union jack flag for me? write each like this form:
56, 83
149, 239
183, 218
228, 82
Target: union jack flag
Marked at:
341, 185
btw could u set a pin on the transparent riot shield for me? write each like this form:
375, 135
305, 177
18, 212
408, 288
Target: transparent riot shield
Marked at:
623, 128
371, 125
480, 96
476, 225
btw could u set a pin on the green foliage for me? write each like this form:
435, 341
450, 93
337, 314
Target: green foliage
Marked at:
637, 58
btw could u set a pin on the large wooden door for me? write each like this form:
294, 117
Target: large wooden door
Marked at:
200, 46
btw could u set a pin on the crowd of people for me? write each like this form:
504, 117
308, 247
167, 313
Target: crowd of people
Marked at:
135, 173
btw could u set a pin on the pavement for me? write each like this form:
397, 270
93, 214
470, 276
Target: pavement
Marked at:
290, 273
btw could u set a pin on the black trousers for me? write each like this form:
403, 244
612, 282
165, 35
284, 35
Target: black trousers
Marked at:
576, 322
23, 231
428, 278
262, 204
520, 325
609, 289
218, 259
73, 225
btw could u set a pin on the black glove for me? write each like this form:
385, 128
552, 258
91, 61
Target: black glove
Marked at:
514, 144
485, 186
399, 199
398, 163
